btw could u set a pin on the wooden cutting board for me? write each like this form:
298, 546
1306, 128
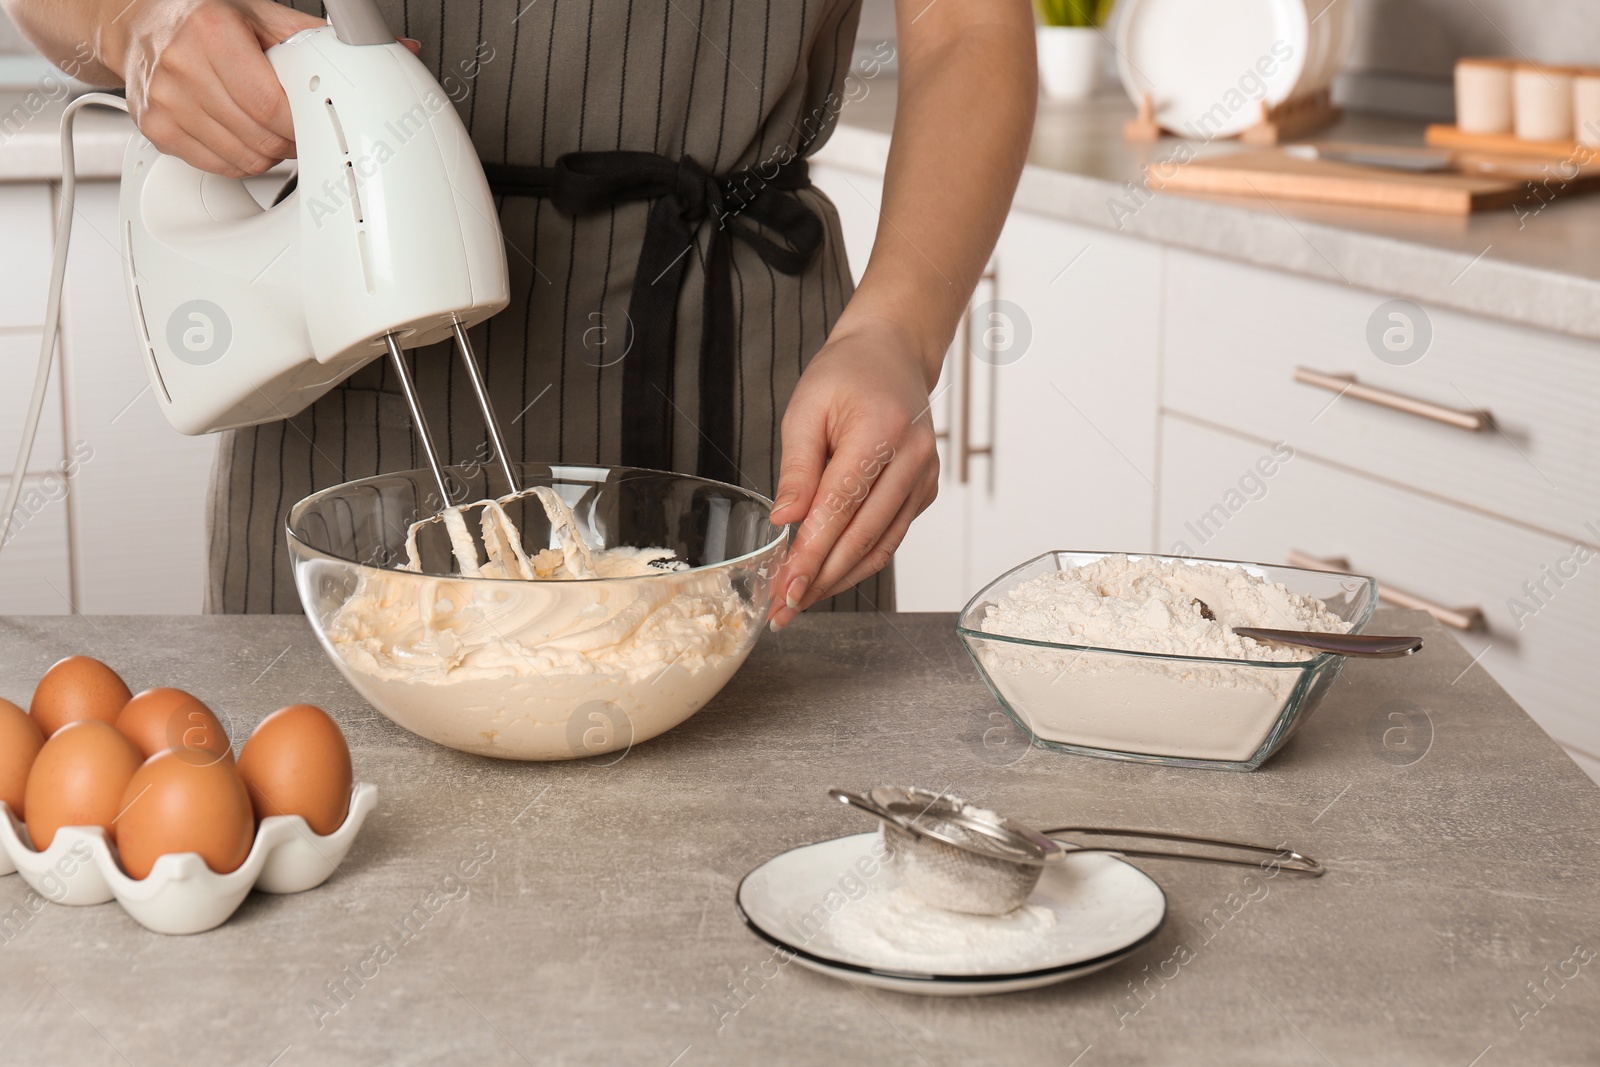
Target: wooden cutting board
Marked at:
1275, 175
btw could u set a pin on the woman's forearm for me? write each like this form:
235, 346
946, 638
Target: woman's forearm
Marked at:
72, 34
968, 89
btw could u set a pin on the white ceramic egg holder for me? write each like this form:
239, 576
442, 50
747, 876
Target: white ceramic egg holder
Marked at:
181, 895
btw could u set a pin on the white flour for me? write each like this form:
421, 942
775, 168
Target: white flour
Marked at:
1148, 605
1160, 707
895, 928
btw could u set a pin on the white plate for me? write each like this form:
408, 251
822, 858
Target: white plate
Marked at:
958, 987
1104, 909
1198, 60
1329, 44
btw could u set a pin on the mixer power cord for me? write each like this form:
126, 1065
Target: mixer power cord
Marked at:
52, 313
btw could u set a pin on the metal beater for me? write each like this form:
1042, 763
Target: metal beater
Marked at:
419, 420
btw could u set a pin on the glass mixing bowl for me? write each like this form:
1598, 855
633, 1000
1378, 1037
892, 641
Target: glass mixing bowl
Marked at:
537, 670
1185, 711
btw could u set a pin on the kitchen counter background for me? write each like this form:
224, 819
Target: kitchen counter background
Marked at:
1404, 51
1540, 269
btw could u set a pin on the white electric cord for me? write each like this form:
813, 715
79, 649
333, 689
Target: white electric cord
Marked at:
52, 311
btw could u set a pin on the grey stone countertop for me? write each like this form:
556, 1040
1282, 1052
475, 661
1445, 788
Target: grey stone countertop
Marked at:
1536, 266
599, 925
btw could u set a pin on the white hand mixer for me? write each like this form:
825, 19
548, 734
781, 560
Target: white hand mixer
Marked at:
390, 240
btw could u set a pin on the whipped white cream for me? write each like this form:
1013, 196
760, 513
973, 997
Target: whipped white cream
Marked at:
504, 666
503, 543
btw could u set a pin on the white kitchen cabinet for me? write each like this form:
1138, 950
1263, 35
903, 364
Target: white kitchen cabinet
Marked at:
127, 535
1449, 554
35, 568
1074, 437
1046, 411
19, 355
26, 214
1463, 518
1236, 334
35, 573
35, 577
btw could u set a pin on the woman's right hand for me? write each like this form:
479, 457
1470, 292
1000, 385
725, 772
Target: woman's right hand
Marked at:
199, 84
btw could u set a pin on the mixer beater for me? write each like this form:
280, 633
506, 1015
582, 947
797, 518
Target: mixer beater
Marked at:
463, 346
501, 539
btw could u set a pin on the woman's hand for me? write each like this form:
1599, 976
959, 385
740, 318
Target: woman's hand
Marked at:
859, 462
858, 451
199, 84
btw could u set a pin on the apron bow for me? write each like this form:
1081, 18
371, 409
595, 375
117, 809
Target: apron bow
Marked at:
755, 205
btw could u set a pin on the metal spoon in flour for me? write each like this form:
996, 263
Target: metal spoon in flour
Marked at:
1372, 646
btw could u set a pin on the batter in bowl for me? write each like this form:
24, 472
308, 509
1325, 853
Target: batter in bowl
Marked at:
633, 634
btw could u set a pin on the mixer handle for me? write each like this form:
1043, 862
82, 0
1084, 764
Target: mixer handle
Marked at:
358, 22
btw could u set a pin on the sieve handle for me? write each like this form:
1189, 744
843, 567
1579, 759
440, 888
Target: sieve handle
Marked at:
866, 804
1286, 858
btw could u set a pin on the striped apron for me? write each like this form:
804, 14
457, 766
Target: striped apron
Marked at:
731, 85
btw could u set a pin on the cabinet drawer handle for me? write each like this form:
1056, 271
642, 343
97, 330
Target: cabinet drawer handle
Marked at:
968, 449
1347, 384
1456, 618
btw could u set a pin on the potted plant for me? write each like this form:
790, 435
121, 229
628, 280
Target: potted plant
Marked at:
1071, 46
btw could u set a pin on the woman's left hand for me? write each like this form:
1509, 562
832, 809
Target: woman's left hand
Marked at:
859, 462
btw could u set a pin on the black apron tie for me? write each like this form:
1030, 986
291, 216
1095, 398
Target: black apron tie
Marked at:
747, 204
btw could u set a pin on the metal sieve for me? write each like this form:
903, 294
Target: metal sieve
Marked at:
960, 857
953, 855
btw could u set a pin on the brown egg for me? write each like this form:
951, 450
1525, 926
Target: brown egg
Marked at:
297, 763
78, 779
159, 719
20, 742
75, 689
175, 805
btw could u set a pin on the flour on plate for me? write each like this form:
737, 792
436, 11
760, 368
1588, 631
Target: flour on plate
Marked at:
895, 928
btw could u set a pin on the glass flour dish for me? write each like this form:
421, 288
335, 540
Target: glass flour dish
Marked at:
1184, 711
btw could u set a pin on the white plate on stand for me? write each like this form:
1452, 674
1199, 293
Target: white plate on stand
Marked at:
1104, 908
1334, 25
1195, 59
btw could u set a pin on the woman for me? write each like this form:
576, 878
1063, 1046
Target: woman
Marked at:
731, 97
